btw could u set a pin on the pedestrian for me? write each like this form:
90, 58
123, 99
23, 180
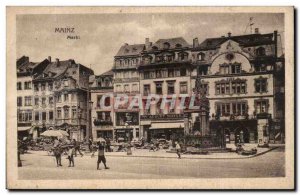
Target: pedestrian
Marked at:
101, 156
152, 147
178, 148
90, 144
77, 147
107, 145
57, 153
71, 152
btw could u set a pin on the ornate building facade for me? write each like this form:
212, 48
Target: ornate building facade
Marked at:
102, 117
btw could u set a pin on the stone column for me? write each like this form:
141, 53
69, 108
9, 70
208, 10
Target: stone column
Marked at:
186, 124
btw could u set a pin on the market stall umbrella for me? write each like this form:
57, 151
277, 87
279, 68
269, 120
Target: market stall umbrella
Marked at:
63, 132
100, 139
52, 133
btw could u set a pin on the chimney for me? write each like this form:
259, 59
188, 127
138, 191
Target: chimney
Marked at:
126, 44
256, 30
57, 61
49, 58
195, 42
147, 43
229, 34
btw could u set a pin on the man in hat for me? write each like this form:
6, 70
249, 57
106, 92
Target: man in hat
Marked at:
101, 156
71, 151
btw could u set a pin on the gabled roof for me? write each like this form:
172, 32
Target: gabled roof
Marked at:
244, 40
174, 42
107, 73
130, 50
54, 70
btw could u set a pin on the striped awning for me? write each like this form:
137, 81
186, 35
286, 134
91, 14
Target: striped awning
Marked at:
168, 125
24, 128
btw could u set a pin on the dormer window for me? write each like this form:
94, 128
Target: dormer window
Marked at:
260, 51
166, 45
154, 48
178, 45
201, 56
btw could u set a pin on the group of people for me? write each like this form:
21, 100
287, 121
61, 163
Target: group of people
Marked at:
72, 147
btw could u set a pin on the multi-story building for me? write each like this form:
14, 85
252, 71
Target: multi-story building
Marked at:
101, 86
126, 81
165, 70
25, 71
61, 98
238, 74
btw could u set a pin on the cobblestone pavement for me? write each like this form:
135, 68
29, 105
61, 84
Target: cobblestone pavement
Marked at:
39, 165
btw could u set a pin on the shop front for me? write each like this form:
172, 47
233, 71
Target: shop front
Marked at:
165, 130
126, 134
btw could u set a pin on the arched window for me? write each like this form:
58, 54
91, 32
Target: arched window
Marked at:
260, 51
183, 56
201, 56
166, 45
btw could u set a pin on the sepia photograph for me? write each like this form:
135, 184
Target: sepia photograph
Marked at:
150, 98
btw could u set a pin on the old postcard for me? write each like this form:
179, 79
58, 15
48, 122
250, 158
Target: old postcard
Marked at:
150, 98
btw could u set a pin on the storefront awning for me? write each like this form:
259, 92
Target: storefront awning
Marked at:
24, 128
166, 126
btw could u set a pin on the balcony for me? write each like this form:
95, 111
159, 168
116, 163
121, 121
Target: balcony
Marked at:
98, 122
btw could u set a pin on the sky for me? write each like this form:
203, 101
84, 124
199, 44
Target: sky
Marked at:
101, 35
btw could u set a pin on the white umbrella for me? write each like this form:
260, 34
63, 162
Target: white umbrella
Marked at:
63, 132
52, 133
100, 139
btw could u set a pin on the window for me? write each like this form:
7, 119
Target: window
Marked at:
36, 87
66, 83
223, 88
146, 90
261, 106
238, 87
235, 108
235, 69
171, 73
43, 116
43, 87
239, 108
260, 51
166, 45
58, 98
25, 116
72, 97
107, 101
19, 86
146, 75
159, 88
204, 88
118, 88
19, 101
203, 70
44, 101
36, 101
158, 73
171, 88
50, 115
126, 88
183, 88
36, 116
183, 56
182, 72
201, 56
50, 86
27, 101
66, 97
58, 111
74, 113
27, 85
66, 112
224, 69
261, 85
260, 68
135, 88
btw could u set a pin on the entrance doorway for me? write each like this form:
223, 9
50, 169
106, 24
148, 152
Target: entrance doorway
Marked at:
242, 135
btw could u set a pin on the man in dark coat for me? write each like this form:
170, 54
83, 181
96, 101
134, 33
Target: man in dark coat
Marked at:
76, 144
101, 156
